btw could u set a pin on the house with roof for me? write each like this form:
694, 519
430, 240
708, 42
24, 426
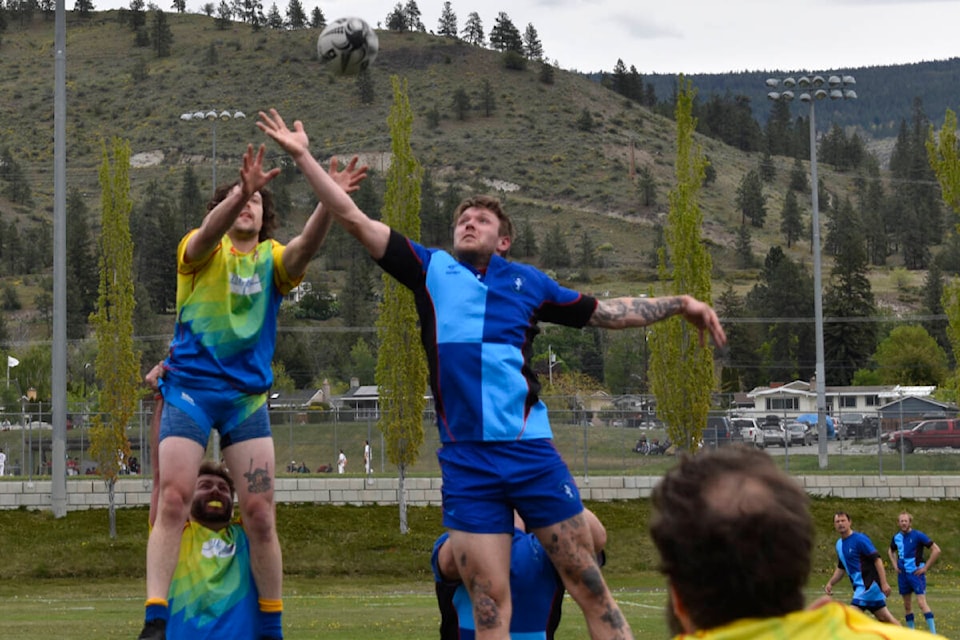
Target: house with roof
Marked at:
798, 397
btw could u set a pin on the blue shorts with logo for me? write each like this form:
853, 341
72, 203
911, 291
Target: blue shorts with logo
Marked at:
194, 413
910, 583
483, 482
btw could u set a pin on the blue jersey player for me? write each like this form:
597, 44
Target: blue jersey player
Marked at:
478, 316
906, 554
535, 586
860, 561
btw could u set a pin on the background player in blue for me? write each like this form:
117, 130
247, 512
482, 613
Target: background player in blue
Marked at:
906, 554
535, 586
479, 314
860, 560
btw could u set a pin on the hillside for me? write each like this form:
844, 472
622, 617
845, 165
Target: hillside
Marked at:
530, 147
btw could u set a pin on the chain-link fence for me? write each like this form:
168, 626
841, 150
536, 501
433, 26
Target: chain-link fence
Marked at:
594, 443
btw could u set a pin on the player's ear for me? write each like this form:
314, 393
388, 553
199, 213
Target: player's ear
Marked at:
503, 245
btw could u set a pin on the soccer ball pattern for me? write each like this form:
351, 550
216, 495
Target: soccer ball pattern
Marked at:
347, 46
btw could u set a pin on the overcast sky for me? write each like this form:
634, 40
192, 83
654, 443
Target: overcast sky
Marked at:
694, 36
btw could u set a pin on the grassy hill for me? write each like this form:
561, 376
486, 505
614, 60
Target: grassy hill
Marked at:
551, 171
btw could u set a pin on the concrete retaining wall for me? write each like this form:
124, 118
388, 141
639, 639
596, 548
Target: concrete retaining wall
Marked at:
130, 492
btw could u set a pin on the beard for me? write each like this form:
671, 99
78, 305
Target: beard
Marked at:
212, 517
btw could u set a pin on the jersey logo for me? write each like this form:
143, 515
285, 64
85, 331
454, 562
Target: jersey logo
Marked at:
517, 284
217, 548
245, 286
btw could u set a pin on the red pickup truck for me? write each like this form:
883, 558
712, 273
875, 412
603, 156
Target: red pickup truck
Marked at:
929, 434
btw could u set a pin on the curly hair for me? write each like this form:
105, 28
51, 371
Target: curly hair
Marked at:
735, 536
269, 223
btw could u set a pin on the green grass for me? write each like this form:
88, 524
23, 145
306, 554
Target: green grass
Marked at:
349, 571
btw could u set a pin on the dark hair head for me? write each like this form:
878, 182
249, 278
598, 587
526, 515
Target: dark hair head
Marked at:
734, 534
269, 224
213, 468
492, 205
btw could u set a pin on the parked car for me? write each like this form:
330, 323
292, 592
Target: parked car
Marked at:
750, 431
798, 433
720, 432
858, 426
928, 434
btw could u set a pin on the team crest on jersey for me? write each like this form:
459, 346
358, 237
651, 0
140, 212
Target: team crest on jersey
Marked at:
245, 286
217, 548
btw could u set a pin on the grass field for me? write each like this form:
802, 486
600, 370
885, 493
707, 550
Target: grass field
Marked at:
349, 573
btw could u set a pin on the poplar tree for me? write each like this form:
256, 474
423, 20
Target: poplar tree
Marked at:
401, 363
944, 157
117, 363
681, 371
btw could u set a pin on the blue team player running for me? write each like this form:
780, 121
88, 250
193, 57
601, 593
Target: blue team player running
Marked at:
906, 554
478, 316
860, 560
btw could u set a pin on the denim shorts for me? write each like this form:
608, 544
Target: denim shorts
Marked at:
483, 482
238, 417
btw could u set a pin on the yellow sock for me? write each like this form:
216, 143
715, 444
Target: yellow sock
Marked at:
270, 606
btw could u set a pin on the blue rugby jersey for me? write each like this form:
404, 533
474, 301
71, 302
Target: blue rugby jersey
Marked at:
856, 555
477, 331
535, 588
909, 547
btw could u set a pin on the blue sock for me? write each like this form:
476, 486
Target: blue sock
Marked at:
271, 625
156, 610
930, 623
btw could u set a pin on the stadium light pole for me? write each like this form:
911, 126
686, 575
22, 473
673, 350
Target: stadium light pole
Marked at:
213, 116
812, 89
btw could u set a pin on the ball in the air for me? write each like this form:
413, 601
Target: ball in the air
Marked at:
347, 46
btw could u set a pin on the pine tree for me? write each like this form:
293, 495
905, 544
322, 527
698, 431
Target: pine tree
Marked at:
296, 16
848, 346
556, 253
532, 47
447, 25
681, 371
473, 32
274, 18
487, 100
791, 225
81, 266
504, 36
744, 248
751, 200
317, 19
460, 103
401, 387
646, 186
162, 37
117, 363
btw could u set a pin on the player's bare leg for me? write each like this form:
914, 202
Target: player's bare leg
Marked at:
251, 464
570, 547
483, 560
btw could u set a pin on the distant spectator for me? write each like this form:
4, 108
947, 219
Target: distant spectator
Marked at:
3, 462
341, 462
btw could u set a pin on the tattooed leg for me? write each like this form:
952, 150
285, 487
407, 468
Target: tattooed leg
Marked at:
570, 547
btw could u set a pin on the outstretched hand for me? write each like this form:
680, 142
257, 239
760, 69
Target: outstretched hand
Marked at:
703, 317
252, 176
350, 177
293, 142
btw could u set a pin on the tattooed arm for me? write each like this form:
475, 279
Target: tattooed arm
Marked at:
621, 313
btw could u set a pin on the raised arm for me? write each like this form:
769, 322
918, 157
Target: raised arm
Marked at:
372, 234
219, 219
621, 313
302, 248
